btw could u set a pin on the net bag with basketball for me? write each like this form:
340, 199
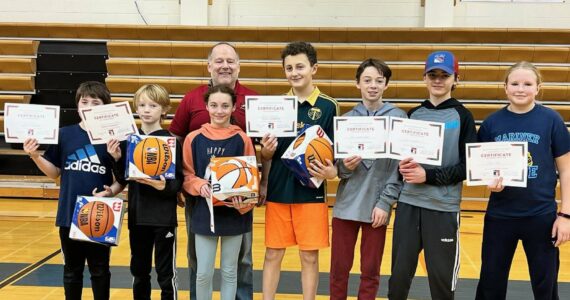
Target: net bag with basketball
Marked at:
311, 144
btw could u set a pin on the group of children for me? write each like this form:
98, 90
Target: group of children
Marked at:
427, 215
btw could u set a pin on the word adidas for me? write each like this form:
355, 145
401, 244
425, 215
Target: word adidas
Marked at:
85, 166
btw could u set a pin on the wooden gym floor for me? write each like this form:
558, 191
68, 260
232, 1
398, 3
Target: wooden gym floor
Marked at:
30, 263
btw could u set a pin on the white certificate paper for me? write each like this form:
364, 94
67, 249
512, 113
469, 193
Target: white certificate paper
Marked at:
111, 121
30, 120
271, 114
487, 161
421, 140
366, 137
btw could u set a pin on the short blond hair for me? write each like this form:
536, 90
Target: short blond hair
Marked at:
156, 93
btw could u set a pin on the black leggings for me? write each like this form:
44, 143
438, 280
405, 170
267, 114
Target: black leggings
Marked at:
500, 239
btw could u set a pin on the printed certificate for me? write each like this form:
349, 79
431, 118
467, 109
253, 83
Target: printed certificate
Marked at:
30, 120
486, 161
105, 122
271, 114
363, 136
421, 140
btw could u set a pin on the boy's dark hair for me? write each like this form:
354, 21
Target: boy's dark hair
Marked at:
296, 48
93, 89
220, 89
379, 65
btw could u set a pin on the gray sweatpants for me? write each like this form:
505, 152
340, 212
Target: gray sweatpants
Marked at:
206, 247
437, 233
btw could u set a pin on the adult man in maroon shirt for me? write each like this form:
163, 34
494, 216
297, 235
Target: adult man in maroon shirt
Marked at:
223, 65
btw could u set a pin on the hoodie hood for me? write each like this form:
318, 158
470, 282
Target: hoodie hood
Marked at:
215, 133
361, 110
449, 103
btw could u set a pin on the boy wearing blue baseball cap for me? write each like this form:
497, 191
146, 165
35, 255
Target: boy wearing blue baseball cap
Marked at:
427, 215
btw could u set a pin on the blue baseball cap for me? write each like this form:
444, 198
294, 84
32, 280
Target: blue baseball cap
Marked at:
443, 60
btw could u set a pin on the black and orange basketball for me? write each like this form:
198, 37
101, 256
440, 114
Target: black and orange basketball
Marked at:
95, 219
152, 156
319, 149
300, 139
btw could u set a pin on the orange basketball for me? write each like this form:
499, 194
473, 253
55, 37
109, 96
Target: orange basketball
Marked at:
95, 219
152, 156
300, 139
233, 173
319, 149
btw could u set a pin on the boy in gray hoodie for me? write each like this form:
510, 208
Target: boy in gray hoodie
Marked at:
366, 192
427, 216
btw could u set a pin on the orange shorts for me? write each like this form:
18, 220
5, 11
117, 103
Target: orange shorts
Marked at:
306, 225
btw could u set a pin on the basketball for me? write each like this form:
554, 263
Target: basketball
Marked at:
233, 173
95, 219
319, 149
300, 139
152, 156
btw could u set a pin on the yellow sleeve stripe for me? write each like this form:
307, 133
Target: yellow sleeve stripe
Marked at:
333, 100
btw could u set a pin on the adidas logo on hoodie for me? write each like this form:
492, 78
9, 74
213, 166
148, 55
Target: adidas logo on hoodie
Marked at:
85, 160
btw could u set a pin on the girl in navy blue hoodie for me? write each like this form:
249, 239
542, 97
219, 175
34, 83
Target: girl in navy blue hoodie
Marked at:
219, 138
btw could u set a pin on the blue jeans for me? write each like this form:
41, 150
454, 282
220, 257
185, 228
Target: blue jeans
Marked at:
245, 262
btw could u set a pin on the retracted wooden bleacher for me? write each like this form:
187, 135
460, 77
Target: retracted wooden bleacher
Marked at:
174, 56
17, 72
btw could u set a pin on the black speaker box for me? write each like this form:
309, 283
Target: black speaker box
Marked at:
65, 80
72, 56
71, 62
63, 98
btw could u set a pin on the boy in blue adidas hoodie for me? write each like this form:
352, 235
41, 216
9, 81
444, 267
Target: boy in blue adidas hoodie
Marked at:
427, 216
84, 169
368, 188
